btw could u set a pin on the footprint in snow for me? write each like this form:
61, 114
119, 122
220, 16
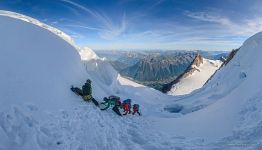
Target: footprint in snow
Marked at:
136, 137
32, 107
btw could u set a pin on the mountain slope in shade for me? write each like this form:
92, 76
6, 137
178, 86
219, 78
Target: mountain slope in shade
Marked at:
155, 68
195, 76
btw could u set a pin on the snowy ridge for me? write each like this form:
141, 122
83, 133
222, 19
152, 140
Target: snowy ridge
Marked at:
38, 23
86, 53
195, 79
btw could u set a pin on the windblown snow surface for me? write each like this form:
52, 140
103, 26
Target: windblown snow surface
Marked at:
197, 79
38, 111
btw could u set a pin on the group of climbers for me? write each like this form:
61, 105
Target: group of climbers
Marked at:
113, 102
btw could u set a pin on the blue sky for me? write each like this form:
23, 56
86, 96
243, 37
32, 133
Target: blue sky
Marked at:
148, 24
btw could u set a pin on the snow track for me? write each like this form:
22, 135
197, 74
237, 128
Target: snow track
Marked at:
84, 127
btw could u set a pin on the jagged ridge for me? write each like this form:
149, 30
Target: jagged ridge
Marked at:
197, 61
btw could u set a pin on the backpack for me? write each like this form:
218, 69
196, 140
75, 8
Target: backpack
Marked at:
114, 97
136, 106
118, 103
127, 101
87, 89
114, 100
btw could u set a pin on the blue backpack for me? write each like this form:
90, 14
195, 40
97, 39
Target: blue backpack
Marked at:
127, 101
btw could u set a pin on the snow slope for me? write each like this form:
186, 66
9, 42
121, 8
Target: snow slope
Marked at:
225, 113
35, 79
197, 79
28, 69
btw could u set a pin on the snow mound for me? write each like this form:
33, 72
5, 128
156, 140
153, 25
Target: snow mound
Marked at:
197, 79
87, 54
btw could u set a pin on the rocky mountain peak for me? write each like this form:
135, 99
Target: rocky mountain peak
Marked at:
198, 60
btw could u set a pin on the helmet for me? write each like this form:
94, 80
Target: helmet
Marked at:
105, 99
88, 81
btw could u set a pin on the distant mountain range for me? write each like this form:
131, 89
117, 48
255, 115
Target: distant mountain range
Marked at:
155, 69
159, 67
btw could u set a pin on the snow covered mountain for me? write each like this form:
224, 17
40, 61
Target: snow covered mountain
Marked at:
194, 77
38, 111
